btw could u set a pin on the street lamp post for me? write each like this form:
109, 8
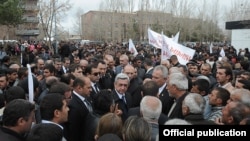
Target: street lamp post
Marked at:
56, 49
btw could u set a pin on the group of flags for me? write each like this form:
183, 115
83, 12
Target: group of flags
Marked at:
222, 52
133, 50
168, 46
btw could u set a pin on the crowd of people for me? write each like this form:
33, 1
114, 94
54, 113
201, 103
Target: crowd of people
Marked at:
104, 92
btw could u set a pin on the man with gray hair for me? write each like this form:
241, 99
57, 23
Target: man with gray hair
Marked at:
150, 108
177, 88
159, 75
120, 95
124, 60
193, 107
241, 95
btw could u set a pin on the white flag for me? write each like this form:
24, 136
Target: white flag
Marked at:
154, 38
222, 52
131, 47
31, 86
21, 59
176, 37
211, 48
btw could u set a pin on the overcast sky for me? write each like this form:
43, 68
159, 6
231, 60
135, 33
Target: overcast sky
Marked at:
87, 5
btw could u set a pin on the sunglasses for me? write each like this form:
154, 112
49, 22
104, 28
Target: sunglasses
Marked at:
96, 74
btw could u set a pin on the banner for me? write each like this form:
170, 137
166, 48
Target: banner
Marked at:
131, 47
183, 53
165, 51
154, 38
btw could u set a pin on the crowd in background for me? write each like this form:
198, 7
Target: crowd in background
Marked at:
102, 91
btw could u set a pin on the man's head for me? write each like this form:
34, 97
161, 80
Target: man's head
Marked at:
150, 108
19, 115
40, 64
102, 66
193, 103
53, 107
159, 75
66, 62
124, 60
76, 70
93, 72
224, 75
234, 112
82, 85
177, 84
121, 83
219, 97
130, 71
150, 88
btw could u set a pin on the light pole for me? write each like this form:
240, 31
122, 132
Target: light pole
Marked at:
56, 49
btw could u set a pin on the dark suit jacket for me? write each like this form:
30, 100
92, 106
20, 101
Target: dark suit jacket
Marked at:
67, 70
106, 82
135, 90
10, 135
93, 94
121, 105
177, 111
140, 72
136, 111
31, 58
166, 101
75, 126
148, 74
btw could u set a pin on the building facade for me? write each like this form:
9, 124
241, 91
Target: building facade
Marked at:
115, 26
29, 30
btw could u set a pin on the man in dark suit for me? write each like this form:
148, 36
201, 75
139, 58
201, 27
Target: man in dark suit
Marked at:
65, 65
93, 73
120, 95
160, 75
79, 109
177, 88
106, 80
58, 66
134, 87
149, 88
148, 64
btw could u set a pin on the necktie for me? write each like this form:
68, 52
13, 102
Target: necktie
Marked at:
96, 88
88, 105
124, 99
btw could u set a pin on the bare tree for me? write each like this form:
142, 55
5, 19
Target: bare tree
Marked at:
113, 5
144, 5
77, 21
239, 10
131, 5
47, 15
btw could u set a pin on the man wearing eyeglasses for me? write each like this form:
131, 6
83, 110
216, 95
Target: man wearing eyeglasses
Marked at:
93, 73
106, 80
